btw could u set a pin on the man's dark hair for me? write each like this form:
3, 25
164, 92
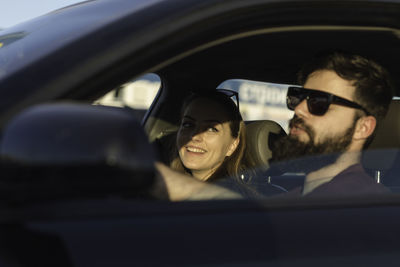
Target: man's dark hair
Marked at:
374, 89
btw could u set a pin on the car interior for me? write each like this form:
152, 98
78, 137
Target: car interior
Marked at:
276, 56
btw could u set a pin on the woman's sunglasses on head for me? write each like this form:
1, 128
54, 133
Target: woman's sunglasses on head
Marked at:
230, 93
317, 101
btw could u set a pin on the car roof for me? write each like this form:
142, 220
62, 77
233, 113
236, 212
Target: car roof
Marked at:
277, 56
72, 52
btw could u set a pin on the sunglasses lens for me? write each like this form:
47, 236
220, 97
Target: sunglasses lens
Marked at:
318, 104
294, 97
230, 93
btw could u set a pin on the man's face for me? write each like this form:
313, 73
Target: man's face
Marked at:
335, 121
330, 133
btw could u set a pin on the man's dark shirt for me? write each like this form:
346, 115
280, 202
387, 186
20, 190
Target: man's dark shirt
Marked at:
352, 181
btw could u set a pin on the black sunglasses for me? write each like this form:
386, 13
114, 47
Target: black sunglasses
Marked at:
230, 93
317, 101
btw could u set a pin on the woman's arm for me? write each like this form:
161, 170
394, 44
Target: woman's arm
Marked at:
176, 186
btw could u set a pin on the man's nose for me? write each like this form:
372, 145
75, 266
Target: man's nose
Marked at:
301, 109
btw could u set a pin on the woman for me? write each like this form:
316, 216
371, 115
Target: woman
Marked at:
210, 142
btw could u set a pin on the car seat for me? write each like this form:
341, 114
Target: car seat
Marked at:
382, 158
261, 134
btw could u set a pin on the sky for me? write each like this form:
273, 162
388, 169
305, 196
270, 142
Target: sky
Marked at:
16, 11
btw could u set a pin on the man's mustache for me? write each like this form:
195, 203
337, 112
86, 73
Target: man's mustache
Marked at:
299, 122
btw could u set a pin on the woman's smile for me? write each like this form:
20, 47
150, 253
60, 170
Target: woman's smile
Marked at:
196, 150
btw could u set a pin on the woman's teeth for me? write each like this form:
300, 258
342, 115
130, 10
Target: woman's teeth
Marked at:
195, 149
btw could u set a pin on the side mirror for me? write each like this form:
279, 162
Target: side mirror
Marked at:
75, 150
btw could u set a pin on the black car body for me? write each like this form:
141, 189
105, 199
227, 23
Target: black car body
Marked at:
57, 210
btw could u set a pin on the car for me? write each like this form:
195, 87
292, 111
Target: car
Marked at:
76, 176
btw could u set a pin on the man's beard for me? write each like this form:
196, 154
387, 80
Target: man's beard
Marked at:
297, 156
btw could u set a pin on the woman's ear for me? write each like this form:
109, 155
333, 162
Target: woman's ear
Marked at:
232, 147
365, 127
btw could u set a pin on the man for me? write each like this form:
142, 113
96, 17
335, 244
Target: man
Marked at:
343, 99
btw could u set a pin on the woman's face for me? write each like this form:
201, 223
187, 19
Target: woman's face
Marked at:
204, 138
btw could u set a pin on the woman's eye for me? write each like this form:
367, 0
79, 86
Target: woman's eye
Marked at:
213, 129
186, 124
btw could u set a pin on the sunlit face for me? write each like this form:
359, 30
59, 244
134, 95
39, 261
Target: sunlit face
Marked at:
204, 138
311, 135
336, 121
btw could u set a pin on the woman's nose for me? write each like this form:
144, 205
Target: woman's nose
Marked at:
197, 135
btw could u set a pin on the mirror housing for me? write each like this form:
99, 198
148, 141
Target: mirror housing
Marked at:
79, 150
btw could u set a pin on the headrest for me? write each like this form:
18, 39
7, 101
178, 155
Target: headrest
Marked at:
261, 134
388, 134
383, 150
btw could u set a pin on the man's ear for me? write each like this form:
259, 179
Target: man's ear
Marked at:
365, 127
232, 147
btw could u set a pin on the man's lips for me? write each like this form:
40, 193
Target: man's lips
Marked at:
296, 129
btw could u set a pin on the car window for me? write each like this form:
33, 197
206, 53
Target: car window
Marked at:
137, 94
261, 100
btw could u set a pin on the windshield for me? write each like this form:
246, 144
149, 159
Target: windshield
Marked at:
40, 37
